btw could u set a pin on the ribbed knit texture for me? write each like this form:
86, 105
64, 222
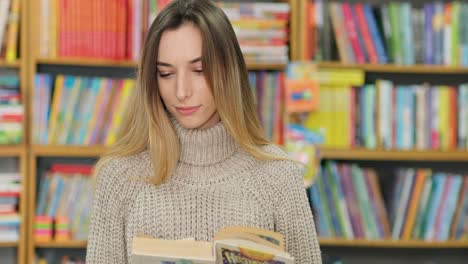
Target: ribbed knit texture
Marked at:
215, 184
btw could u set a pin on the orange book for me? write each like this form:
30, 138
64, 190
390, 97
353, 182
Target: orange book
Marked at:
381, 211
421, 177
301, 95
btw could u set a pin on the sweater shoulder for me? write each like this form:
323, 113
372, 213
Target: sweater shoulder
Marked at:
282, 170
124, 168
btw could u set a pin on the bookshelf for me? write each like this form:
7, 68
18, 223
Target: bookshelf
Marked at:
366, 154
387, 160
64, 244
67, 151
8, 244
391, 243
29, 153
18, 152
5, 64
389, 68
131, 64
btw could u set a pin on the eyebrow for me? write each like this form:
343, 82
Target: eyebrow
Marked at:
160, 63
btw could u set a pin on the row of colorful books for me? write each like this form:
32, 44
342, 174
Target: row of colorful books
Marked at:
11, 108
114, 29
268, 88
10, 189
428, 205
347, 202
80, 110
395, 32
9, 29
391, 116
261, 29
89, 111
64, 199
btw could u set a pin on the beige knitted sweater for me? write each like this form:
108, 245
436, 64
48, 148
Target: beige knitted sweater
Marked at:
215, 184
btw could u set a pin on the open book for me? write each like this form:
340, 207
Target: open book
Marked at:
231, 245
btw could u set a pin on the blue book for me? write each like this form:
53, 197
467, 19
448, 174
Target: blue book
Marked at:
436, 198
56, 197
375, 34
48, 82
400, 103
407, 33
428, 34
449, 209
342, 209
331, 203
320, 221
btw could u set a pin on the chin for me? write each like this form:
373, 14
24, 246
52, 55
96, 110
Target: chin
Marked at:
190, 122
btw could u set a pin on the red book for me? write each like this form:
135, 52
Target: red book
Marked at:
366, 36
72, 169
129, 32
352, 33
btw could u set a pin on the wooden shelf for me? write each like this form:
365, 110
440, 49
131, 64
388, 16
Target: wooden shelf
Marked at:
133, 64
391, 243
4, 64
68, 151
12, 150
432, 69
5, 244
322, 242
261, 66
365, 154
87, 62
61, 244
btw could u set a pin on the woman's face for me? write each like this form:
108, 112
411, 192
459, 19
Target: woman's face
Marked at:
182, 84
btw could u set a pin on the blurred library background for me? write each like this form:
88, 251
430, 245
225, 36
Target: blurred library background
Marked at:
371, 95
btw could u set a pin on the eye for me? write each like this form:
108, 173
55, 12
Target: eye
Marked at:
164, 74
198, 71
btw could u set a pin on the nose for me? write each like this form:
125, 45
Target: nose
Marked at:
183, 89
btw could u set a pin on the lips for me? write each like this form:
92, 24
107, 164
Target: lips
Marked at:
187, 110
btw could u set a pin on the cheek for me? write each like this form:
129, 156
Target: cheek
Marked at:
164, 92
204, 91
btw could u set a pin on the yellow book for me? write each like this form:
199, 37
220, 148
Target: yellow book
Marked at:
13, 31
342, 116
335, 77
55, 108
323, 119
444, 100
118, 116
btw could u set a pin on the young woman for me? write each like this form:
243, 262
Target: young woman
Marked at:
192, 158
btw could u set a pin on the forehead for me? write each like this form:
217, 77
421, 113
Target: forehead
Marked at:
181, 44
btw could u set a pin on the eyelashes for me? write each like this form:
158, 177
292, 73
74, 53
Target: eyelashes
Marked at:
163, 74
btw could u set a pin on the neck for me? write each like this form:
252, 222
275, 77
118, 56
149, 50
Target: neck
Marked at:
204, 146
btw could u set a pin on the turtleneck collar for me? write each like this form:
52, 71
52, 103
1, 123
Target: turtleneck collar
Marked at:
202, 147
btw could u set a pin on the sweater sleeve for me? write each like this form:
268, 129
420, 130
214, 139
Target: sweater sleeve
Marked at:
106, 240
293, 219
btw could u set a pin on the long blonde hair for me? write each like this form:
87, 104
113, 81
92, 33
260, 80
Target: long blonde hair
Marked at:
147, 124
